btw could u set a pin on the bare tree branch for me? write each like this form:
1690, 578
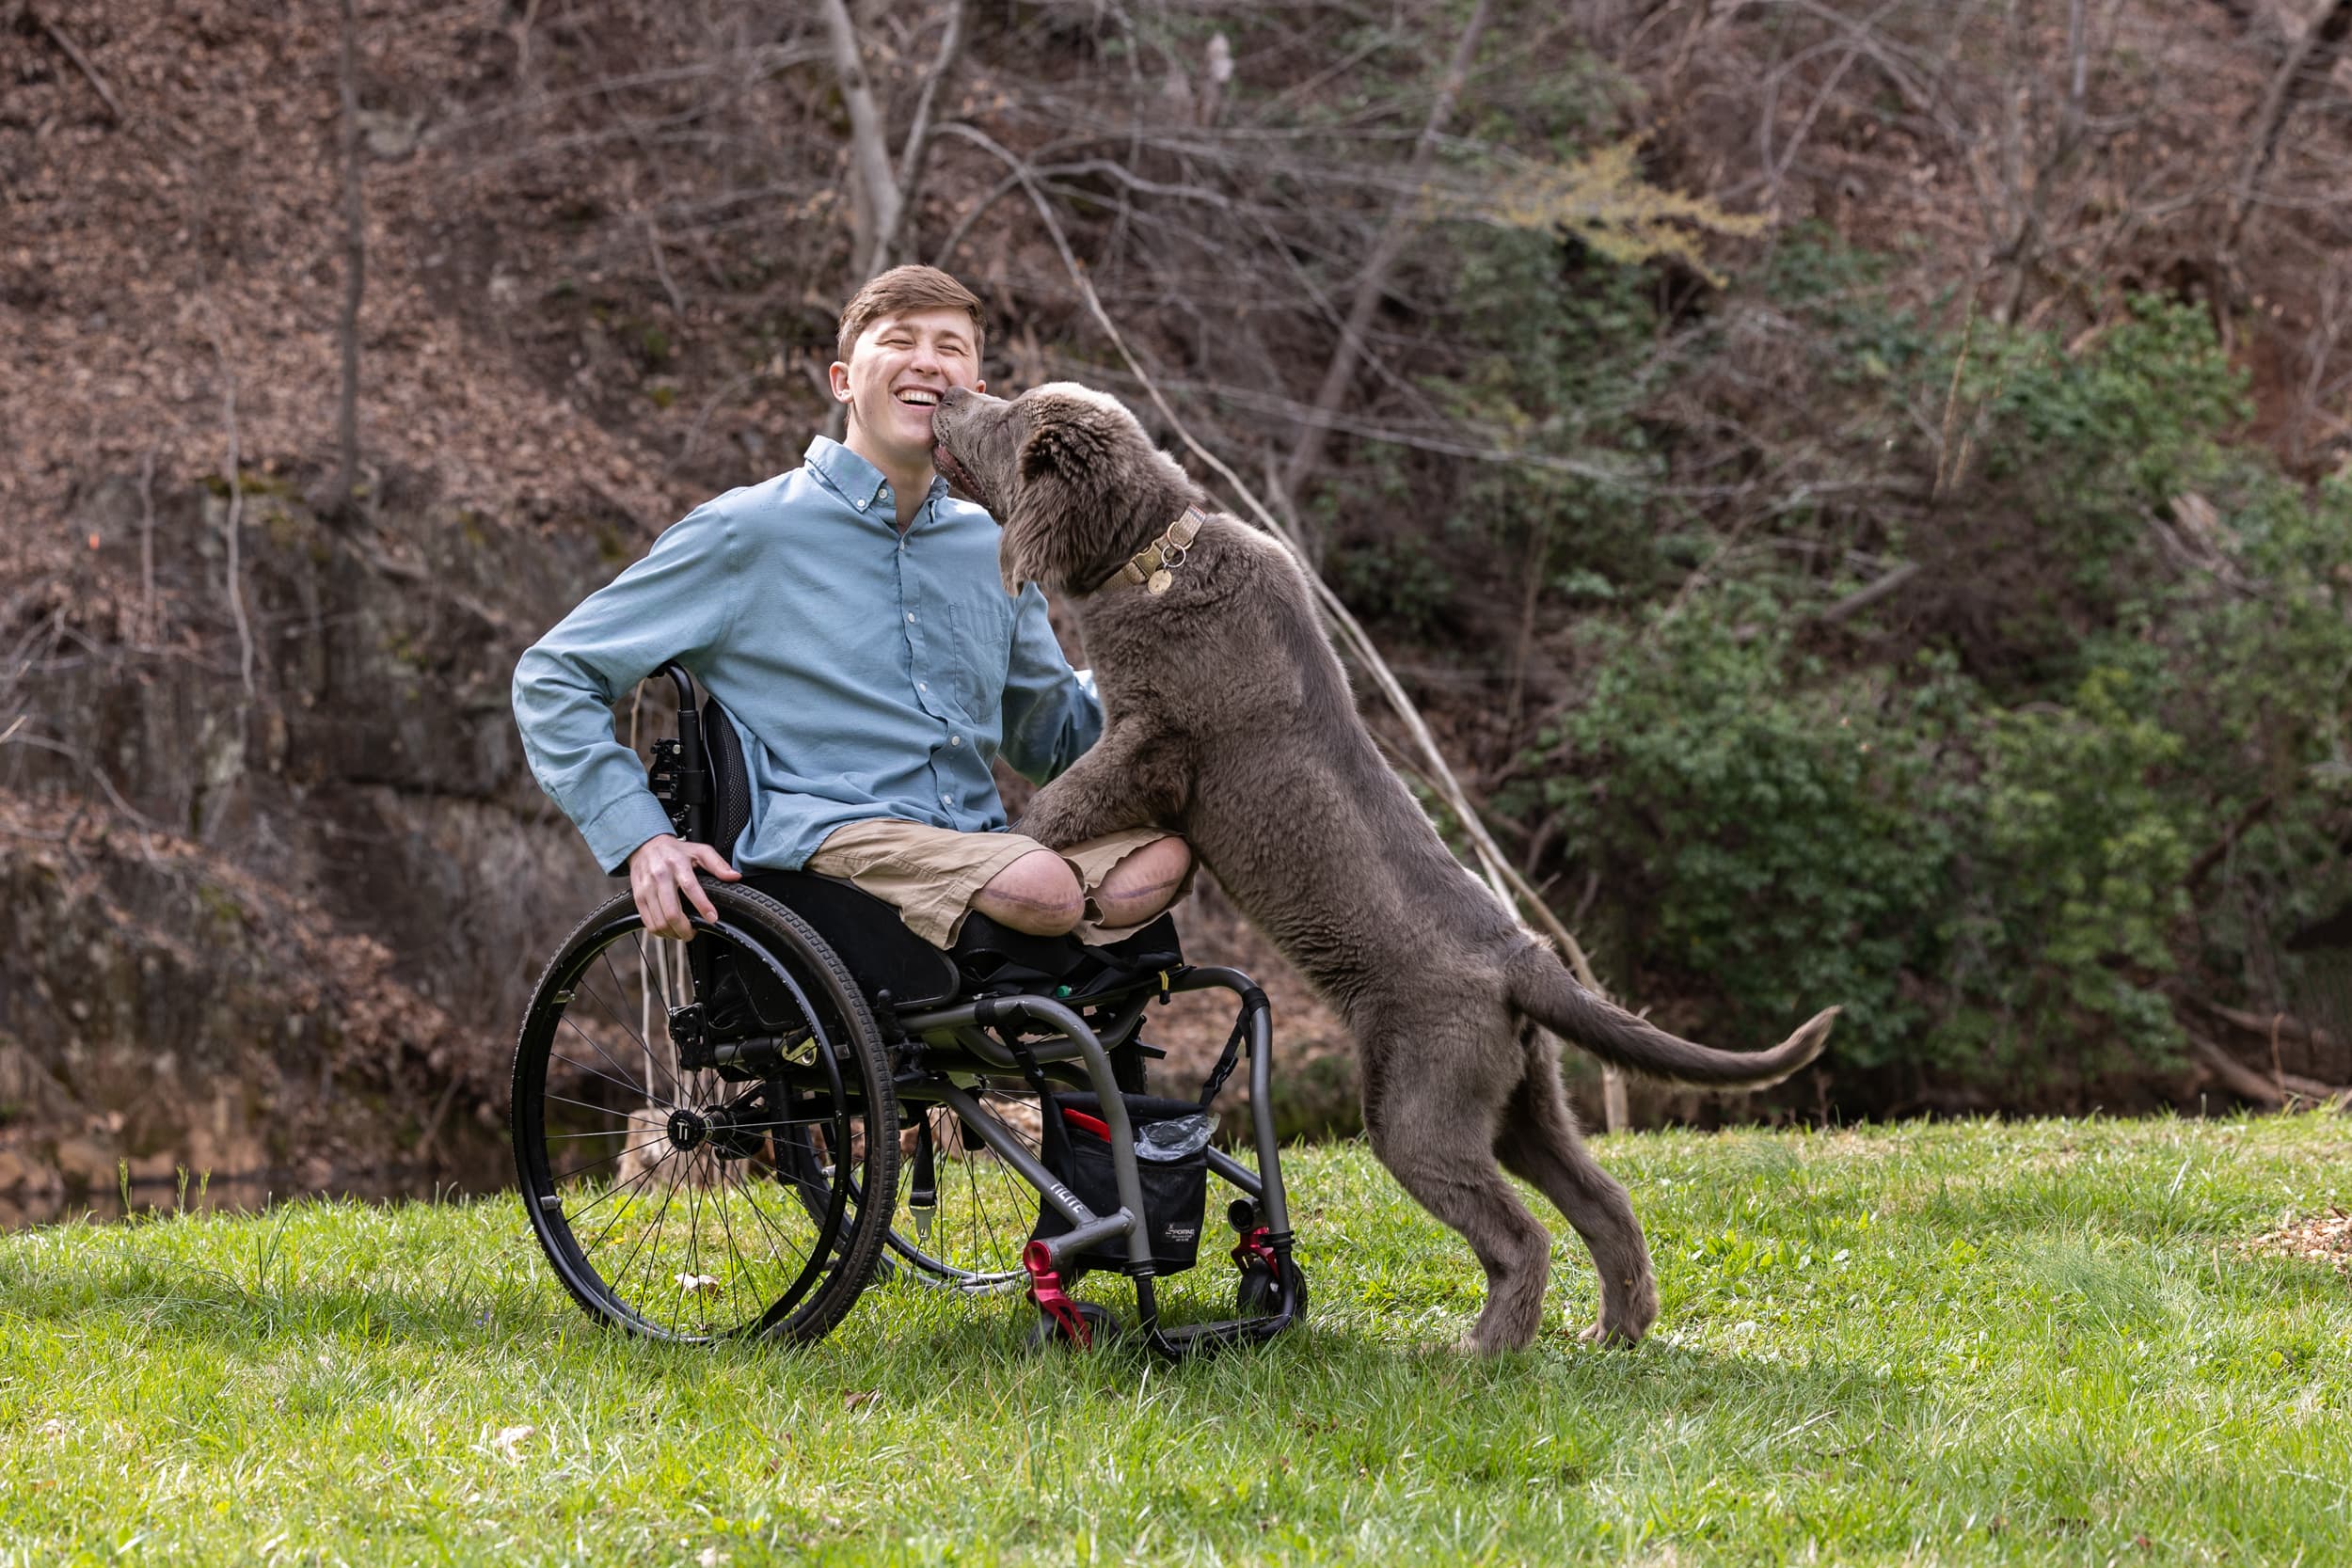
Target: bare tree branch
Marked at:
81, 62
2236, 1076
1374, 280
2276, 1091
883, 195
1868, 593
662, 268
2274, 1025
232, 525
2305, 68
914, 153
147, 628
355, 281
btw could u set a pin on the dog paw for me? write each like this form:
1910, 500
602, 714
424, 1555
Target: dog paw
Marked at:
1626, 1315
1617, 1332
1486, 1339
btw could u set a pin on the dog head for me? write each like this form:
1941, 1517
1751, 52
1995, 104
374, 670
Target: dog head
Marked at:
1069, 474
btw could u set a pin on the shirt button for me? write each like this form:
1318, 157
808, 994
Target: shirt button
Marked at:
922, 686
955, 740
861, 506
910, 615
945, 801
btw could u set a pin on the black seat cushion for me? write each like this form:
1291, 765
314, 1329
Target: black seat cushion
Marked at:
881, 954
874, 944
997, 958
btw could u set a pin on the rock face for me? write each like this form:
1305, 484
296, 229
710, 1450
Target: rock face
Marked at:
287, 926
291, 928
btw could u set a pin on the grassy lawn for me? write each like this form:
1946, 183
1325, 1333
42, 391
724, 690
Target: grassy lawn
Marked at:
1991, 1342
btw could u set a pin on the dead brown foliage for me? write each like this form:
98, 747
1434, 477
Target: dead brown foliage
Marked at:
2325, 1239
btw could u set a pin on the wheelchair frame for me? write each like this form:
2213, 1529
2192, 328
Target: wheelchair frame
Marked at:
937, 1054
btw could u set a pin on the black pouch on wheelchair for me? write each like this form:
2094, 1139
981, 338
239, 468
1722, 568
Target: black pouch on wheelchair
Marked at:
1171, 1164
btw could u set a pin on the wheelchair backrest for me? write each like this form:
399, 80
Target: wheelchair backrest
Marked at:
699, 777
730, 782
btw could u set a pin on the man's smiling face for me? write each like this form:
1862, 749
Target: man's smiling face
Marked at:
895, 371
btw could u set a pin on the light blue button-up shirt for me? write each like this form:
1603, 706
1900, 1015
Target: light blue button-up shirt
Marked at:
869, 674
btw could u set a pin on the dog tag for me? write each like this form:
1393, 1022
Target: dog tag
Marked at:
1158, 581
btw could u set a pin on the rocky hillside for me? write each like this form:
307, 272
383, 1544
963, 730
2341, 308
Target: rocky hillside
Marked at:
1568, 336
279, 880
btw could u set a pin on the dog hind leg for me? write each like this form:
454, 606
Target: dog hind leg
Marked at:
1538, 1143
1437, 1138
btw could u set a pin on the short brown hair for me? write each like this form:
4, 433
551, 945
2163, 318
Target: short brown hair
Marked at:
902, 289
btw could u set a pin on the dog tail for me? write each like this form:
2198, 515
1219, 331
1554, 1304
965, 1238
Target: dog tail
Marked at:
1542, 988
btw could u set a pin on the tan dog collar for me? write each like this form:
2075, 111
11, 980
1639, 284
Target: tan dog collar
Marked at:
1154, 565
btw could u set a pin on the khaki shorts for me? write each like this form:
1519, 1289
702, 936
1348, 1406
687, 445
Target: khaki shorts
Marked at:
931, 874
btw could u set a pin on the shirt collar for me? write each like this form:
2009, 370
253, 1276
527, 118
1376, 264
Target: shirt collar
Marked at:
855, 479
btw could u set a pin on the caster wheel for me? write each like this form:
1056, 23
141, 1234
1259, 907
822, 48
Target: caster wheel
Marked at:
1258, 1294
1048, 1332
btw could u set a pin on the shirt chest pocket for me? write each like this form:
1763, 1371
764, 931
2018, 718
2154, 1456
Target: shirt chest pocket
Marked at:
972, 663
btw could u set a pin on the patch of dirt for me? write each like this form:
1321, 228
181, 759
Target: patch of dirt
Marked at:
2318, 1238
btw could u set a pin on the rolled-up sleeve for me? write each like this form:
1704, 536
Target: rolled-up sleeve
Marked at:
677, 603
1051, 712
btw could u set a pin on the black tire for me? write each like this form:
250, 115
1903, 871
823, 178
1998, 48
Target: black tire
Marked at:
704, 1204
1257, 1296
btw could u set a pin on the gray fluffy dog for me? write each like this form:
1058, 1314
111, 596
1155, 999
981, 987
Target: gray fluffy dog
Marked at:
1229, 721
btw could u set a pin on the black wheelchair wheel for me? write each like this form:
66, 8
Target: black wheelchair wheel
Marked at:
695, 1124
970, 1238
1258, 1294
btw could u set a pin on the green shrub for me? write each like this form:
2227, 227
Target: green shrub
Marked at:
1993, 836
1757, 820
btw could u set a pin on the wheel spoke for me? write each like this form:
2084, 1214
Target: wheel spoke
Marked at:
653, 1063
635, 1088
644, 1177
660, 1220
581, 1170
746, 1227
750, 1199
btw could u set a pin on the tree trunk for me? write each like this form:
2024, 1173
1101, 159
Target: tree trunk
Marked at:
884, 196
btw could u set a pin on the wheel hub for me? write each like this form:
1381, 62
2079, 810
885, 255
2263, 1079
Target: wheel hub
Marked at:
687, 1128
720, 1129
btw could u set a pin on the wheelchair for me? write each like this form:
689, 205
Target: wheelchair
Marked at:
733, 1136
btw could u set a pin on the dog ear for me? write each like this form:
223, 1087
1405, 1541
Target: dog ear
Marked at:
1065, 446
1049, 528
1035, 545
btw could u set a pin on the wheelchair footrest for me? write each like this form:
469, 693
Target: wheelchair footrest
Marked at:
1190, 1340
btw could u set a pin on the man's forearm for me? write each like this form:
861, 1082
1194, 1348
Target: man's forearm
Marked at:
676, 601
565, 715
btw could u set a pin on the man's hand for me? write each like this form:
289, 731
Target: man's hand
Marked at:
662, 868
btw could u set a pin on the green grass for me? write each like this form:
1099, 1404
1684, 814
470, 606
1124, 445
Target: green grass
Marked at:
1958, 1343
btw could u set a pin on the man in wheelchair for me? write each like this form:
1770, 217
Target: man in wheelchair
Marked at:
849, 617
722, 1133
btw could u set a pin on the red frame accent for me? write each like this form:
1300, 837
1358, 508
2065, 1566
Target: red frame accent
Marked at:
1095, 1125
1254, 1245
1045, 1290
